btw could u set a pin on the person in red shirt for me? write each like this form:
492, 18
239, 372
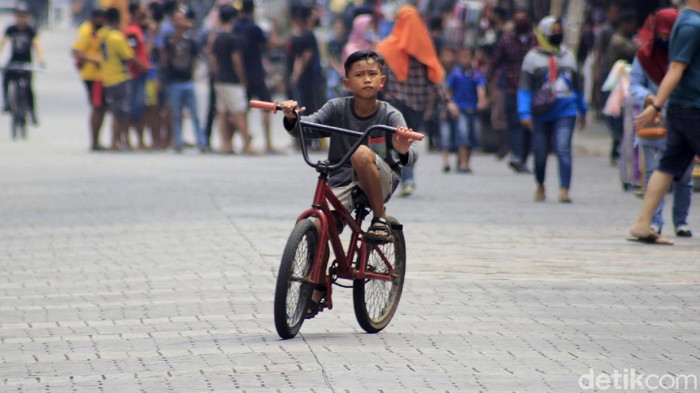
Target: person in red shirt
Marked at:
134, 33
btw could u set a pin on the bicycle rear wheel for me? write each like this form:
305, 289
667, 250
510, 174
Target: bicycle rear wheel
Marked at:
17, 98
293, 291
375, 301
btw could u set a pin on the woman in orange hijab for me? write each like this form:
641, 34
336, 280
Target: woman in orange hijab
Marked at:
414, 74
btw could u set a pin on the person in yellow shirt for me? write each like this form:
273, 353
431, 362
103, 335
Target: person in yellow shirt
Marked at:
117, 55
87, 54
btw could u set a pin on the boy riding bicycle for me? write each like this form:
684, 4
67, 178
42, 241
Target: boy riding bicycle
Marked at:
376, 165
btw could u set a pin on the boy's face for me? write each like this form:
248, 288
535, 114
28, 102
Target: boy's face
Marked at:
364, 78
447, 56
465, 58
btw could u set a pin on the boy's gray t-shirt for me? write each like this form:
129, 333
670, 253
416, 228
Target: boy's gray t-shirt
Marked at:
339, 112
685, 48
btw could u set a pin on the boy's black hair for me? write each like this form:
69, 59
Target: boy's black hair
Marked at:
156, 11
227, 13
134, 6
436, 22
470, 49
113, 16
97, 13
248, 6
169, 6
363, 55
501, 12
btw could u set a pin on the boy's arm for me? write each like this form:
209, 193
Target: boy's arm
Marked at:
322, 116
408, 154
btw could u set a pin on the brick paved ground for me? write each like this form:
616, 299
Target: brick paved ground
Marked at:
155, 272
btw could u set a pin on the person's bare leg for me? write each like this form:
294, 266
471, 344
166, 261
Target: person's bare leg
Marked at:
269, 148
224, 132
239, 120
659, 184
446, 160
465, 155
97, 117
139, 125
167, 124
363, 163
115, 133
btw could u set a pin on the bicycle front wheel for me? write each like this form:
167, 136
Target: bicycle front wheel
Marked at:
375, 301
293, 291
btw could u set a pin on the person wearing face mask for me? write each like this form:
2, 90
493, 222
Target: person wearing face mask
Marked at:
549, 99
87, 55
648, 70
508, 59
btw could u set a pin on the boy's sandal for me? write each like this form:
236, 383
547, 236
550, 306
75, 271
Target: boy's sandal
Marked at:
379, 224
316, 307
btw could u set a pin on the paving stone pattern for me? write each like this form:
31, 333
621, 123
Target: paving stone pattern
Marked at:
155, 272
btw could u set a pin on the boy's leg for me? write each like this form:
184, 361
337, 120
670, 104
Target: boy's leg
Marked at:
445, 132
368, 177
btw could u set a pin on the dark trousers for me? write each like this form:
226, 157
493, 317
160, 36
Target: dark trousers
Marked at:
211, 112
520, 138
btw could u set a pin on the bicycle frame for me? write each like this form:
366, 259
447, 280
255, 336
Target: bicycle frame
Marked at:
320, 209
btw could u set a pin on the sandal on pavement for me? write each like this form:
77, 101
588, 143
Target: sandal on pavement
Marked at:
379, 224
316, 307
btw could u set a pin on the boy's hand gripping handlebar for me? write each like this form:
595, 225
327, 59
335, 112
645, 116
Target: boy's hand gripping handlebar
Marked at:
274, 107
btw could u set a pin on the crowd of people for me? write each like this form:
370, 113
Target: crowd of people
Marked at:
140, 68
497, 82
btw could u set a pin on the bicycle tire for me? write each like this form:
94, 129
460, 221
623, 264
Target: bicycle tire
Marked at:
17, 97
375, 301
293, 290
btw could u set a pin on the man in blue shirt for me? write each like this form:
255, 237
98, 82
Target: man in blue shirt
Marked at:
681, 86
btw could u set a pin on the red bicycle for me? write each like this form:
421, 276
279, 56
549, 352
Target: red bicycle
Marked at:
376, 271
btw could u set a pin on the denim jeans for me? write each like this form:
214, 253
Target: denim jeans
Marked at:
459, 132
414, 120
520, 143
554, 135
182, 95
682, 189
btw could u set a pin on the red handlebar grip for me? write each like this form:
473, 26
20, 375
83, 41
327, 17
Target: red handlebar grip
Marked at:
268, 106
410, 134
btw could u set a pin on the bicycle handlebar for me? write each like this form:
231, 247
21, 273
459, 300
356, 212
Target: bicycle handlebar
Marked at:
21, 67
274, 107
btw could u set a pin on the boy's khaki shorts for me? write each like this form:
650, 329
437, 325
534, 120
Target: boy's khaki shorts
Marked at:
386, 178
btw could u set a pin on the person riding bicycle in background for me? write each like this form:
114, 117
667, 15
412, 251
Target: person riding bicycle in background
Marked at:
23, 38
376, 166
